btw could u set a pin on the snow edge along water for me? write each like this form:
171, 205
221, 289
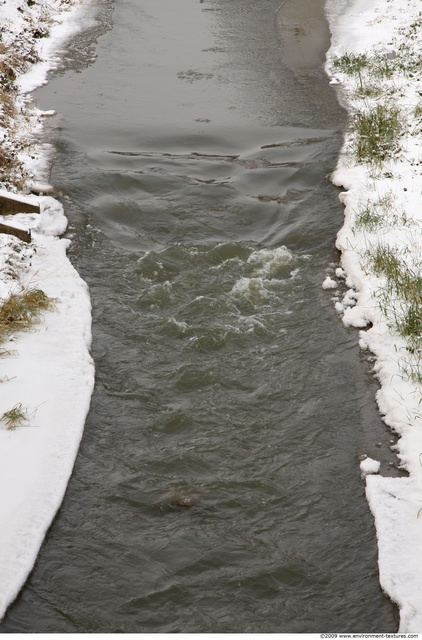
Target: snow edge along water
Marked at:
375, 62
47, 373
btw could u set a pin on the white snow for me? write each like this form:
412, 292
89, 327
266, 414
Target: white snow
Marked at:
329, 283
383, 212
48, 372
369, 465
20, 198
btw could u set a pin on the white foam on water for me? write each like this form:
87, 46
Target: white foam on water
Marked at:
183, 326
270, 263
252, 289
252, 322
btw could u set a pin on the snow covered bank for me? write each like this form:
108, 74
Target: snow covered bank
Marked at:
375, 59
47, 374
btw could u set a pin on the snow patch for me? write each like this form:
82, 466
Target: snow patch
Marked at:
329, 283
368, 465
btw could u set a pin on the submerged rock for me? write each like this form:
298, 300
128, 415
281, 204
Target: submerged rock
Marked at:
180, 499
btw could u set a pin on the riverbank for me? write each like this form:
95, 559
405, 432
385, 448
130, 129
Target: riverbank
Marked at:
375, 61
47, 374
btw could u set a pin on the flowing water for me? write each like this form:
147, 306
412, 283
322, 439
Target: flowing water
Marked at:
217, 486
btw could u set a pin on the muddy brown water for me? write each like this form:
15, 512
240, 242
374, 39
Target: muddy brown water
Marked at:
217, 487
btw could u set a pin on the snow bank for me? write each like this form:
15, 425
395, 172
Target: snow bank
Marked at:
375, 60
47, 373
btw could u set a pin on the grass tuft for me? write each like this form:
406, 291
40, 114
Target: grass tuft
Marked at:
21, 309
15, 417
375, 213
377, 133
401, 297
385, 262
352, 64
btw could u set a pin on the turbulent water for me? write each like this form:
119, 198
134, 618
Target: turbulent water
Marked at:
217, 486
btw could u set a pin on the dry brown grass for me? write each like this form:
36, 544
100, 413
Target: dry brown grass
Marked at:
15, 417
11, 64
11, 169
8, 108
21, 310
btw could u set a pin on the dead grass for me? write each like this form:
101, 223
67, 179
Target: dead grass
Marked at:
21, 310
11, 169
10, 66
15, 417
7, 108
13, 62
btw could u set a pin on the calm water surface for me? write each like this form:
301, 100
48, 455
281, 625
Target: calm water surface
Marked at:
193, 142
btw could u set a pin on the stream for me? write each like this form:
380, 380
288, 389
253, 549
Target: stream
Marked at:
217, 487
